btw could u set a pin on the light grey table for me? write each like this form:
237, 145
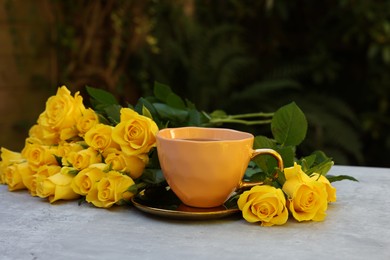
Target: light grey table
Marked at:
357, 227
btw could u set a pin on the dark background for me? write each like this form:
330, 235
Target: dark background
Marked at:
331, 57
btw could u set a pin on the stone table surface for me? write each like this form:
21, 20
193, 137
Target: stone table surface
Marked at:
356, 227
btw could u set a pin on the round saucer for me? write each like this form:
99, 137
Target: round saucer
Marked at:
163, 202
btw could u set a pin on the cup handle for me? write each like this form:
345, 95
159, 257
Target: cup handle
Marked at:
273, 153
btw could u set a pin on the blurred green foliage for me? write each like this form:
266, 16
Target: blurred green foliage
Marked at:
330, 57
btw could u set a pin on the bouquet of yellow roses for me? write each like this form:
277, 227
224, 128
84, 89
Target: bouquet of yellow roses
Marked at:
70, 153
106, 154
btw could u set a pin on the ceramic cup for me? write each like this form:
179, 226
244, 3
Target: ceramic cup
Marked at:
205, 166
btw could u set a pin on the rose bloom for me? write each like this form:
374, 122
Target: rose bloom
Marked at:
86, 179
43, 135
62, 111
136, 134
57, 186
68, 134
329, 188
13, 178
88, 120
27, 174
8, 158
64, 148
2, 174
67, 150
110, 190
18, 176
131, 165
38, 155
99, 137
82, 159
265, 204
307, 197
42, 173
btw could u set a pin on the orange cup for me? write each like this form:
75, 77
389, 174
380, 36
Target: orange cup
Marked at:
205, 166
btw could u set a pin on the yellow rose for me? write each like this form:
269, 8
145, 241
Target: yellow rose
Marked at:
136, 134
57, 186
329, 188
13, 178
265, 204
8, 158
64, 148
84, 181
68, 134
38, 155
110, 189
99, 137
2, 174
307, 198
27, 174
131, 165
88, 120
84, 158
43, 135
18, 175
42, 173
62, 111
68, 150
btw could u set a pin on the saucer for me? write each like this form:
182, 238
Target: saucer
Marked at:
163, 202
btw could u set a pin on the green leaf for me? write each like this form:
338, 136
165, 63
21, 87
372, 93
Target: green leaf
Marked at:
165, 94
133, 189
317, 162
251, 170
144, 102
288, 155
289, 125
257, 176
266, 163
307, 162
58, 159
73, 172
113, 113
154, 162
281, 178
320, 157
103, 119
171, 114
190, 105
332, 178
231, 203
263, 142
195, 117
218, 114
152, 176
321, 168
101, 96
175, 101
146, 112
161, 91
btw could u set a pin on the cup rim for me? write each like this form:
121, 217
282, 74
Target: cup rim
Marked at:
235, 135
